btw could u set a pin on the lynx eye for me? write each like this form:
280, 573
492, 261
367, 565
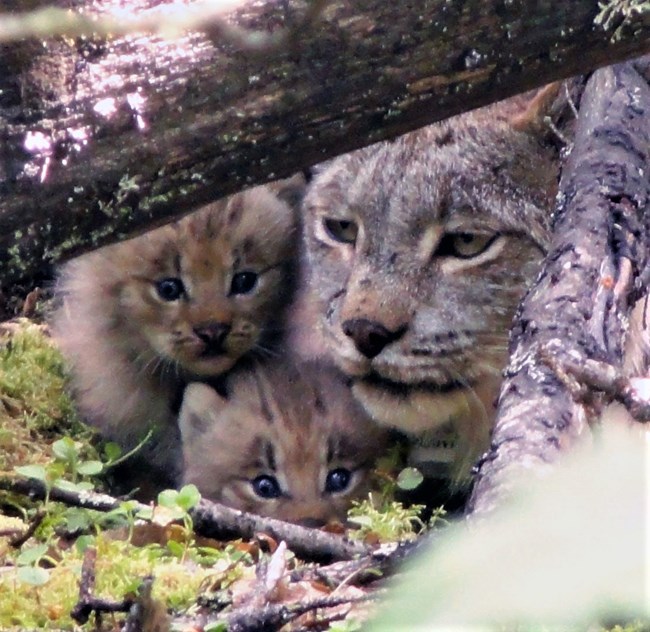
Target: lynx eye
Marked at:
341, 230
464, 245
338, 480
266, 486
170, 289
243, 282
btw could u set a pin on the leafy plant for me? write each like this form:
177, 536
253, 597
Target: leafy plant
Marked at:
385, 520
177, 505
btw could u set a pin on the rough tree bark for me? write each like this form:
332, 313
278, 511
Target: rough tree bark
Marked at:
101, 139
597, 267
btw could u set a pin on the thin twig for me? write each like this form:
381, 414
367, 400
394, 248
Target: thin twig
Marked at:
88, 603
211, 520
273, 616
146, 613
17, 541
592, 375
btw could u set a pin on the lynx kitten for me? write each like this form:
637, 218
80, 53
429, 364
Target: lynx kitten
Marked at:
418, 252
288, 442
141, 318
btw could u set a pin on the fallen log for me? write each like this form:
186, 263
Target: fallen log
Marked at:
105, 137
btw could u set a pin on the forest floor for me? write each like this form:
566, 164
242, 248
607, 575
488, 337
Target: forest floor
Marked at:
71, 567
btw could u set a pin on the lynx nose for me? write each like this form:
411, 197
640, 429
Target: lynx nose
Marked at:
369, 336
212, 335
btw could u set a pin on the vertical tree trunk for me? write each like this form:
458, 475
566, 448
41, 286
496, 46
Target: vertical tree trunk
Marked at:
597, 267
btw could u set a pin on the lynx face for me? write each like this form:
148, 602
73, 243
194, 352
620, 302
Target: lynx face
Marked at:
288, 442
418, 252
202, 291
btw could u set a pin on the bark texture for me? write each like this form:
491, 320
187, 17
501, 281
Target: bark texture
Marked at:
102, 139
596, 269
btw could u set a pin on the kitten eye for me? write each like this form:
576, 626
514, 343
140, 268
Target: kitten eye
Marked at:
338, 480
170, 289
243, 282
266, 486
464, 245
341, 230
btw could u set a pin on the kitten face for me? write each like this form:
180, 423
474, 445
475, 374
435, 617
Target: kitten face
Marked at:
199, 293
290, 443
418, 253
206, 295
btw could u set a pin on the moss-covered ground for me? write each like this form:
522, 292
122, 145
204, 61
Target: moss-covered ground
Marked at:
41, 436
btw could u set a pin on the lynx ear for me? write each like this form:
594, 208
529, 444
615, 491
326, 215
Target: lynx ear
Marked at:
199, 410
542, 105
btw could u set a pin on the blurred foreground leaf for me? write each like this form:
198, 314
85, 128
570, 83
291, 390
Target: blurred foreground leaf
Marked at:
569, 549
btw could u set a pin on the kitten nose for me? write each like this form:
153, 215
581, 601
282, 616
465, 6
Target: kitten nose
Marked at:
212, 334
369, 336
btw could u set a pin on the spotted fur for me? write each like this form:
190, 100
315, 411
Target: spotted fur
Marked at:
418, 251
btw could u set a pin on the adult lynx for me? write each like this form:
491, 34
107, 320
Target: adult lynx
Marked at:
418, 252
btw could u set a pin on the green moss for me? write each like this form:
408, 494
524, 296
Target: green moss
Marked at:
32, 378
119, 568
385, 520
33, 400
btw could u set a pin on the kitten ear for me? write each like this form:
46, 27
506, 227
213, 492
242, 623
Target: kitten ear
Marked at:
198, 410
291, 190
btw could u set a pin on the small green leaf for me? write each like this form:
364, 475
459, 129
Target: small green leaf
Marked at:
168, 498
83, 542
32, 555
112, 452
69, 486
145, 513
175, 548
65, 450
215, 626
34, 575
77, 519
32, 471
188, 497
90, 468
409, 478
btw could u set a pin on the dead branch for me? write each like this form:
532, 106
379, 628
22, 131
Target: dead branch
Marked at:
146, 613
364, 570
88, 603
18, 540
596, 268
217, 521
274, 616
586, 378
210, 520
